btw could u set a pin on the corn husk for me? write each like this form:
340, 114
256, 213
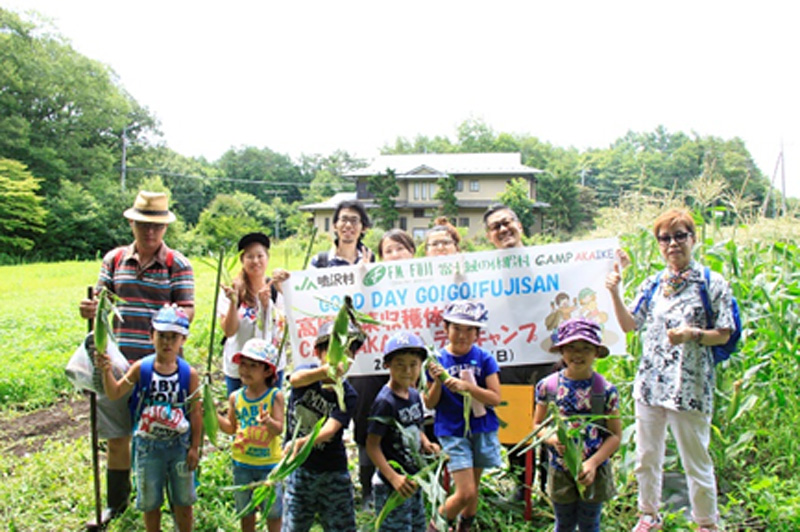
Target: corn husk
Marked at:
210, 421
467, 398
103, 318
428, 478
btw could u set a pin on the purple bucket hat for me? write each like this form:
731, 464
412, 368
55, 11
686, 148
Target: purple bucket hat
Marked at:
578, 329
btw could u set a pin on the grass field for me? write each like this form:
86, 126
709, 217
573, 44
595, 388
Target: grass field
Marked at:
754, 439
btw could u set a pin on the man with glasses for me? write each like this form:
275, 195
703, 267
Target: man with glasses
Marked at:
350, 222
147, 275
504, 230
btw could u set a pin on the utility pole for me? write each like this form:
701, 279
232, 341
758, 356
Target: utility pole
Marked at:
124, 157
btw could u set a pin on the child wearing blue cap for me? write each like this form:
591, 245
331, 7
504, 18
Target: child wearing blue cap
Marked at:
578, 390
399, 402
465, 368
168, 426
255, 417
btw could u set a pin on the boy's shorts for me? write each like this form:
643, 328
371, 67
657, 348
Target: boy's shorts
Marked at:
246, 475
326, 493
479, 451
408, 517
113, 417
162, 464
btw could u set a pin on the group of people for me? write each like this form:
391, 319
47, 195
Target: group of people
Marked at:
674, 385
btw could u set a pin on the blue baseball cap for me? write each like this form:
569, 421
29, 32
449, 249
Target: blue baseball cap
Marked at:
171, 318
404, 343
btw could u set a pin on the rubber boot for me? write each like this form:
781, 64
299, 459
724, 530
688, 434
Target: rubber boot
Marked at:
118, 491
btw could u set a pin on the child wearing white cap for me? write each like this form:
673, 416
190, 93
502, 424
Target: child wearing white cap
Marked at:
465, 368
255, 416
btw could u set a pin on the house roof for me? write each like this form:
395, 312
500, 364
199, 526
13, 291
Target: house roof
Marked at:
435, 165
330, 203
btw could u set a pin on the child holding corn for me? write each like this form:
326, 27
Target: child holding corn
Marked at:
578, 390
168, 427
399, 402
465, 372
255, 416
321, 486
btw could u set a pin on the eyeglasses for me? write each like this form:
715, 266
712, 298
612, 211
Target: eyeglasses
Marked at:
679, 238
496, 226
441, 243
147, 226
352, 220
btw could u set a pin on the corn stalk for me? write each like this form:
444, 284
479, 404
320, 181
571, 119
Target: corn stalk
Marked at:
103, 325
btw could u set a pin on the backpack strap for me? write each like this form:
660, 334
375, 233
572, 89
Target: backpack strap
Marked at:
598, 400
649, 292
704, 296
142, 389
322, 259
551, 387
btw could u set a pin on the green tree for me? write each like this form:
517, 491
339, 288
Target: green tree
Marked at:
385, 190
446, 195
61, 113
21, 211
262, 173
516, 197
227, 218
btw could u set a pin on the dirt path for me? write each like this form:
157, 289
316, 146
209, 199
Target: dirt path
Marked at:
26, 433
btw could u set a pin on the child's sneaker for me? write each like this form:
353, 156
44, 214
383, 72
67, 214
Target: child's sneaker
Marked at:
647, 523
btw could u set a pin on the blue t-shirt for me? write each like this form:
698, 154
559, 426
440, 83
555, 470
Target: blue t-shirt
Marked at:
408, 412
450, 409
309, 404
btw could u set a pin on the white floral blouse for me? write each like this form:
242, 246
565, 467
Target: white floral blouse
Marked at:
679, 377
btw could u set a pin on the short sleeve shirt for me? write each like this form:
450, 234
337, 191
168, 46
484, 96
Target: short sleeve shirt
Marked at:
449, 420
396, 445
679, 377
311, 403
574, 397
145, 289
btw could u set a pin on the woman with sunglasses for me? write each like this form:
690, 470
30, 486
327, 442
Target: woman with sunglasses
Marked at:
674, 384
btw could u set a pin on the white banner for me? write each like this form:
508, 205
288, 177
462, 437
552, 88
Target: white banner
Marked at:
528, 292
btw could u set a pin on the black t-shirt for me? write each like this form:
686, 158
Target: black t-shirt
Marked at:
310, 403
408, 412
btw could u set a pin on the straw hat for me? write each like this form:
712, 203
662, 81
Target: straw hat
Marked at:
150, 207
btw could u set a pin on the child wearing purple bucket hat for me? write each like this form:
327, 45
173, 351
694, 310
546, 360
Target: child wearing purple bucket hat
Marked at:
578, 390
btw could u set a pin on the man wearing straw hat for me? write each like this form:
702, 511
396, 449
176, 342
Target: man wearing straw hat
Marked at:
146, 274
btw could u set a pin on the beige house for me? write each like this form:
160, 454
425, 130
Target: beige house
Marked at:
480, 178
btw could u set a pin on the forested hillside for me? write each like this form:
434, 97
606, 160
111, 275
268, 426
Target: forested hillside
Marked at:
66, 120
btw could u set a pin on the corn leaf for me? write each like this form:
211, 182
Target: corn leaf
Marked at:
264, 490
429, 481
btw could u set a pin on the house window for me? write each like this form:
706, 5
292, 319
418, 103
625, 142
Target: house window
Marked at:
432, 192
419, 213
463, 222
474, 185
459, 185
416, 191
418, 234
403, 223
424, 187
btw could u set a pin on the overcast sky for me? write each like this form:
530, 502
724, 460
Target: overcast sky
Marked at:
311, 77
